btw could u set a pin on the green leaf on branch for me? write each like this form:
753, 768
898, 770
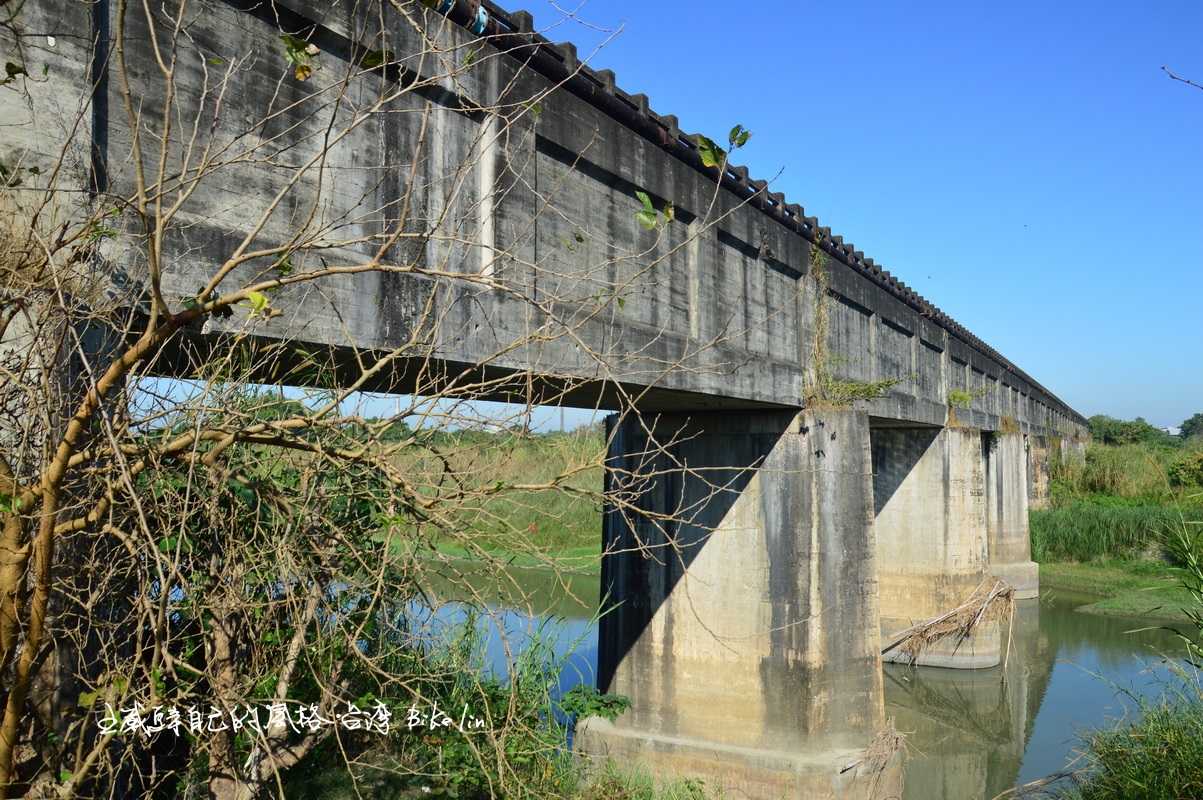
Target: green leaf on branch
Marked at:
739, 136
711, 154
647, 216
300, 54
97, 231
258, 300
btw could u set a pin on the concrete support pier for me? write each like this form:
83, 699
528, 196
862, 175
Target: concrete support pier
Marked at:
1039, 471
929, 494
1010, 544
744, 630
968, 730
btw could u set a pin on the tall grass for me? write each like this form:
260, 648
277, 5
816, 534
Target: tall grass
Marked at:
1134, 471
1160, 757
1116, 504
1090, 530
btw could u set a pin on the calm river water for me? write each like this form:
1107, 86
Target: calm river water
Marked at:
970, 733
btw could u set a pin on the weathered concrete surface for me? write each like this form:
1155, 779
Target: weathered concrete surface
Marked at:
746, 638
545, 205
929, 494
1010, 545
1039, 470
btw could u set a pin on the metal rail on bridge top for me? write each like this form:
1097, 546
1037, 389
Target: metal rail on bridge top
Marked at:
514, 33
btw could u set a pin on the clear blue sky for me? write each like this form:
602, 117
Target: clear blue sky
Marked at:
1026, 167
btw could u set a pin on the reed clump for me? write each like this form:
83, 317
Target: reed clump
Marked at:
1098, 528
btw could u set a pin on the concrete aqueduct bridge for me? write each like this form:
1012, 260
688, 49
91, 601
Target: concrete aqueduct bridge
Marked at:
769, 537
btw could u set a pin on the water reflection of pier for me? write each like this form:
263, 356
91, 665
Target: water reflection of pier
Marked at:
967, 729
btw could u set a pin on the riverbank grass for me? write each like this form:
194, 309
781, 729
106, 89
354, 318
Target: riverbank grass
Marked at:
580, 559
1159, 757
612, 782
1138, 589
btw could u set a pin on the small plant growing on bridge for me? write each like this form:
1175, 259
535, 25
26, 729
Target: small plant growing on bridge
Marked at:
963, 398
714, 156
823, 388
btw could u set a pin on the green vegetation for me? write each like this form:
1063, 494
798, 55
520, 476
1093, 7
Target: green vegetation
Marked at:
1100, 528
1158, 758
612, 783
529, 727
823, 389
1187, 470
1109, 430
1127, 524
1160, 755
960, 398
439, 761
1131, 471
1192, 428
1111, 515
1143, 589
1138, 474
530, 498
